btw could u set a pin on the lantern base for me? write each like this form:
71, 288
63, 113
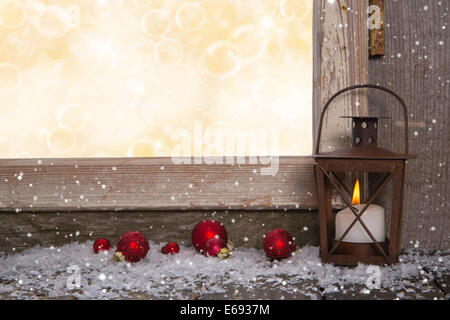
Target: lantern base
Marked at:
350, 254
360, 249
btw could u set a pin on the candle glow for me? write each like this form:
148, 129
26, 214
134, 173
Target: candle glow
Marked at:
373, 217
356, 194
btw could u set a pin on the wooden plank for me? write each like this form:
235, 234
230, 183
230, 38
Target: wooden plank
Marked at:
153, 184
340, 37
416, 67
376, 32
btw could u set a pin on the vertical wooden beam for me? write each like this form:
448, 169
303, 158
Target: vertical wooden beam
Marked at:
340, 60
376, 32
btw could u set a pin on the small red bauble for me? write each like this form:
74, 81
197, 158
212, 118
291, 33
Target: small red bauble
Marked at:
213, 246
101, 244
279, 244
171, 247
205, 230
133, 246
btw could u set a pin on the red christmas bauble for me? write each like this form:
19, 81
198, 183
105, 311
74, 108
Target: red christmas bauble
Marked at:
213, 246
101, 244
171, 247
205, 230
133, 246
279, 244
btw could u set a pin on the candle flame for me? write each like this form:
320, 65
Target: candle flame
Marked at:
356, 194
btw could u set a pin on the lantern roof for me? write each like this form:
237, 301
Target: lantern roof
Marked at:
363, 117
363, 153
364, 133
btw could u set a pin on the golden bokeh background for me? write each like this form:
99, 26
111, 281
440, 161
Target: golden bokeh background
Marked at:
108, 78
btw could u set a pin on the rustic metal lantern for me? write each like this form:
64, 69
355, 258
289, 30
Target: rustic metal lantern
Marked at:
363, 156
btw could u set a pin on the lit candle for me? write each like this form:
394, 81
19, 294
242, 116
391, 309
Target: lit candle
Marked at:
373, 218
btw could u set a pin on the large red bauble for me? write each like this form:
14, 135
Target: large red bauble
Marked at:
101, 244
279, 244
133, 246
171, 247
213, 246
205, 230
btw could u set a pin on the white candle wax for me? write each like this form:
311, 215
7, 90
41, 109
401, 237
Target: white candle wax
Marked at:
373, 218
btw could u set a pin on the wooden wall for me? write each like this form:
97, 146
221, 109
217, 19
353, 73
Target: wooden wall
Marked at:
417, 66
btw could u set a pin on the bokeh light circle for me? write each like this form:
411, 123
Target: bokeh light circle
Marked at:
53, 22
155, 23
221, 59
168, 52
272, 51
249, 41
72, 117
12, 13
294, 9
141, 148
10, 77
15, 46
190, 16
60, 141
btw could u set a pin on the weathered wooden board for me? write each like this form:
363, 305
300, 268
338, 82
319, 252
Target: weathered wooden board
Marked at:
340, 60
416, 66
153, 184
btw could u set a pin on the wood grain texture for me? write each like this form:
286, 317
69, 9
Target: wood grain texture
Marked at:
376, 33
416, 66
340, 60
152, 184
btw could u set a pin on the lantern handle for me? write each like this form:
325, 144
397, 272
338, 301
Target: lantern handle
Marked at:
371, 86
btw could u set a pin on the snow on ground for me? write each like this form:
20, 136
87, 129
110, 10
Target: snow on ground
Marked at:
54, 272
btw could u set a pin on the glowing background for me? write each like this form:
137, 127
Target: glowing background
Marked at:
90, 78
